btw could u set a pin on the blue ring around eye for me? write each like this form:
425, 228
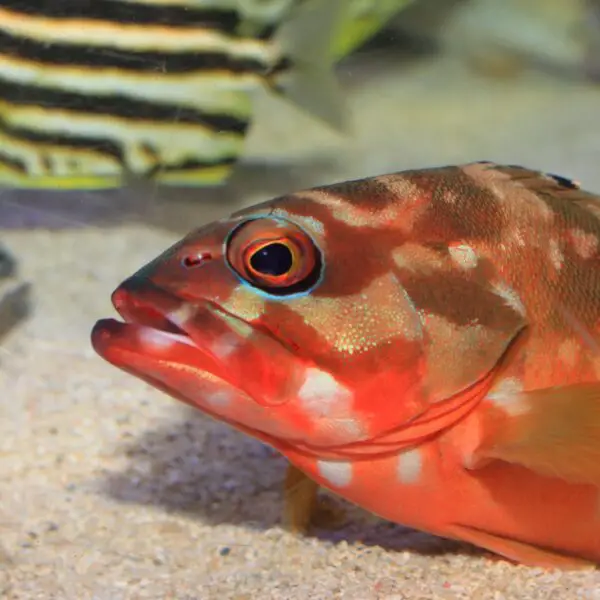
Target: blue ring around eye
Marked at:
280, 297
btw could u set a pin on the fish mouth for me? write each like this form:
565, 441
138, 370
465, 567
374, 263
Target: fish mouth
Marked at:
177, 347
156, 327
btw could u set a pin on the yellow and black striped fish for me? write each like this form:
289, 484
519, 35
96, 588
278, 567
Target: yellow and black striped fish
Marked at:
93, 92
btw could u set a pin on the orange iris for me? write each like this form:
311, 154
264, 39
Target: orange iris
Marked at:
273, 255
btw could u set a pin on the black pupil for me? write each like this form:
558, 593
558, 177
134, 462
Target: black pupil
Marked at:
274, 259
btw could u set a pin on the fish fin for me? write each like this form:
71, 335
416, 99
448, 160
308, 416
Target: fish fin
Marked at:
541, 182
554, 432
300, 499
521, 552
307, 40
362, 24
302, 506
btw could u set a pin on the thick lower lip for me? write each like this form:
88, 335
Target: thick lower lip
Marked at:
110, 335
149, 345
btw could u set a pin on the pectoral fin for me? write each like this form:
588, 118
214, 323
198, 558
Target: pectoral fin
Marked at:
300, 498
517, 551
554, 432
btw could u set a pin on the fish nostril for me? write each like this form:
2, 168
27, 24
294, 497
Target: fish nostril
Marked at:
196, 259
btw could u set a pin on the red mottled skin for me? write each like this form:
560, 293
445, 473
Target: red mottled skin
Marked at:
426, 348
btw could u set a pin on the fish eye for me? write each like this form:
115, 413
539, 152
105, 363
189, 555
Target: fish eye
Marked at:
273, 259
274, 256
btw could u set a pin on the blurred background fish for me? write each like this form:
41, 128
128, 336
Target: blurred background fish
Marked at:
94, 93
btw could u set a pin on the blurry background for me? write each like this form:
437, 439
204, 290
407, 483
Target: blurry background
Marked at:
443, 81
108, 487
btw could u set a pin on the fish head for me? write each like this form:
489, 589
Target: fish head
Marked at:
296, 326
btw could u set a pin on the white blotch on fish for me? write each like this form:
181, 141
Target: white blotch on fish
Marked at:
337, 472
218, 399
463, 255
507, 395
556, 256
509, 296
410, 466
181, 316
156, 338
585, 244
322, 396
225, 345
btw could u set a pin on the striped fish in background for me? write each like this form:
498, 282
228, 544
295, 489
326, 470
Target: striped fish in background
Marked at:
94, 92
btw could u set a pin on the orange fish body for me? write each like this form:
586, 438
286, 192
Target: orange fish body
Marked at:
423, 344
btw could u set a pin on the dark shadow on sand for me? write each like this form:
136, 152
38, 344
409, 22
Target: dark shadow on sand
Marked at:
204, 468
